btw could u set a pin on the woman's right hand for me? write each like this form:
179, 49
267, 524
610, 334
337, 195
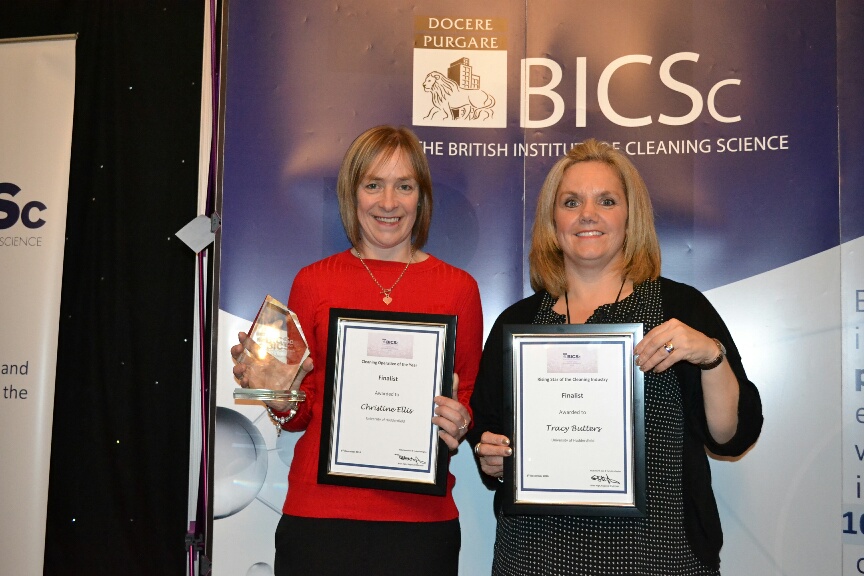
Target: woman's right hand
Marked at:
252, 372
491, 451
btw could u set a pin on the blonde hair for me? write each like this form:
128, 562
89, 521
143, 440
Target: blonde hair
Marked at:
641, 247
370, 148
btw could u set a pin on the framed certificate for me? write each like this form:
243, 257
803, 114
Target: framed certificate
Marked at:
384, 370
574, 401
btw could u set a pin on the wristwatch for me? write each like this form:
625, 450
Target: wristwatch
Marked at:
716, 362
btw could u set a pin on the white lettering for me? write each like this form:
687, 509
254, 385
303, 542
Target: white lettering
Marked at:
547, 91
581, 91
603, 91
685, 89
460, 23
713, 93
603, 99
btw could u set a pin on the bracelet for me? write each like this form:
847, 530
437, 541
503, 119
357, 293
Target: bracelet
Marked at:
278, 421
721, 353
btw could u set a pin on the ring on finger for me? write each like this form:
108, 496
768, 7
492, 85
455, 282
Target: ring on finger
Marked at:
477, 449
669, 347
464, 424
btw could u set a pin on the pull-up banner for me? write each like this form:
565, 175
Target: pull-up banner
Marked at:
37, 89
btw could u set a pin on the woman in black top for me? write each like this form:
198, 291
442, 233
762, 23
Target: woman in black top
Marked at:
595, 258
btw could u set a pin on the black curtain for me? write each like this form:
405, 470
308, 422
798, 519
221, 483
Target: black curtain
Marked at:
120, 445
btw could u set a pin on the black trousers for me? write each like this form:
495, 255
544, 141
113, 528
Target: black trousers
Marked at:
324, 546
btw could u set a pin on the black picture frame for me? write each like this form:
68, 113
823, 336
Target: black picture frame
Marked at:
431, 480
551, 501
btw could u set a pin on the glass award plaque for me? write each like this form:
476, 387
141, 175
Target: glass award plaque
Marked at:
275, 337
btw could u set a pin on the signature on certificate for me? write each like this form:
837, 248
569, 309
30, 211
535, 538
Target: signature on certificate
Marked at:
604, 478
411, 459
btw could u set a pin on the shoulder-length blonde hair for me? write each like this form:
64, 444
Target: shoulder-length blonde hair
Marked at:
641, 247
370, 148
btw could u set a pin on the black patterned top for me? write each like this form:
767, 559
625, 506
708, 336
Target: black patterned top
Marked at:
656, 544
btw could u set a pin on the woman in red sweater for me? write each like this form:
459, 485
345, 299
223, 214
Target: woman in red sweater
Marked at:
385, 200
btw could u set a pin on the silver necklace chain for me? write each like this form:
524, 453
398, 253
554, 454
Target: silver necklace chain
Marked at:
386, 291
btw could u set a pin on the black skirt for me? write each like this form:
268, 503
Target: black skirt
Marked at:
325, 546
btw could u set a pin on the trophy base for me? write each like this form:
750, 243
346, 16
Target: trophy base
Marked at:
264, 394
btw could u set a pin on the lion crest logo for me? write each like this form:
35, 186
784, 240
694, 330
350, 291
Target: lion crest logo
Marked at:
450, 101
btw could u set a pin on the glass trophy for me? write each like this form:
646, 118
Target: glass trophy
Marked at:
275, 342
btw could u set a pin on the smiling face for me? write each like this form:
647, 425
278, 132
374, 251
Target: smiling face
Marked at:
591, 216
387, 199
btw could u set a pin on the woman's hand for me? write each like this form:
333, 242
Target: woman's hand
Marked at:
451, 417
671, 342
491, 451
252, 371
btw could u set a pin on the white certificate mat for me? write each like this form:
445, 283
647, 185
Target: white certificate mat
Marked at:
383, 372
576, 417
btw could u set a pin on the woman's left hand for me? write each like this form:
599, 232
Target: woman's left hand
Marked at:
253, 371
671, 342
451, 417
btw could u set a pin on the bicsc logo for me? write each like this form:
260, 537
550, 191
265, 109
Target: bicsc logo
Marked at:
460, 72
29, 214
19, 212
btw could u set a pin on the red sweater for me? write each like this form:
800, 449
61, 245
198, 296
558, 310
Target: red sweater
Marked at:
341, 281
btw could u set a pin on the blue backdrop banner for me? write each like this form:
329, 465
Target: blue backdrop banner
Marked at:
728, 109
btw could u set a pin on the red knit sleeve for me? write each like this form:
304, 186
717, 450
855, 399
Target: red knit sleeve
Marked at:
469, 338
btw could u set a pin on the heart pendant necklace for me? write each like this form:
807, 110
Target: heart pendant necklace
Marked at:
386, 291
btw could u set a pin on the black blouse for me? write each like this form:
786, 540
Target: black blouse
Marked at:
701, 518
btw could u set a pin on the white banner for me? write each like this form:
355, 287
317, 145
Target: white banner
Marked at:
37, 87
